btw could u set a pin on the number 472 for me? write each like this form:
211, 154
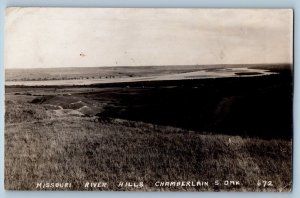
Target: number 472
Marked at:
264, 183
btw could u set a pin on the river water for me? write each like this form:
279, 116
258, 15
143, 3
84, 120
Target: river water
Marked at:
201, 74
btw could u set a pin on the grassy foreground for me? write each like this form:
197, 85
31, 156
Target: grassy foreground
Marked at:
79, 149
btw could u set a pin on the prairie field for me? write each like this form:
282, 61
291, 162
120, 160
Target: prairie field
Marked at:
237, 129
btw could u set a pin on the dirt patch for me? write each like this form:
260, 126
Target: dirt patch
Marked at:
66, 112
52, 107
86, 111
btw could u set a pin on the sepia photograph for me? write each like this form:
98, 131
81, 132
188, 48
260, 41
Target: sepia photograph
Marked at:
148, 99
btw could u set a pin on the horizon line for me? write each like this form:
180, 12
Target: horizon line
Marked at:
151, 66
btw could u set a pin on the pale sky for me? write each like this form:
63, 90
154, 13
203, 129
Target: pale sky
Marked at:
93, 37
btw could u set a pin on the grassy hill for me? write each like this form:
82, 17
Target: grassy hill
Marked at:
54, 143
78, 150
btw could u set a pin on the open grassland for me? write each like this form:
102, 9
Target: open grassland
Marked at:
77, 150
52, 139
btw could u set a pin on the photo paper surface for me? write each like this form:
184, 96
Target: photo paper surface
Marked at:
133, 99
